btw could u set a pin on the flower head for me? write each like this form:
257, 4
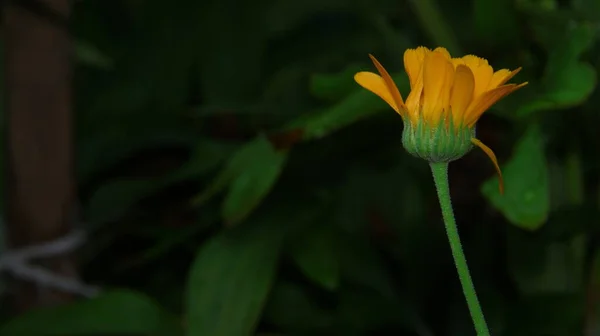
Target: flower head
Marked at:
447, 97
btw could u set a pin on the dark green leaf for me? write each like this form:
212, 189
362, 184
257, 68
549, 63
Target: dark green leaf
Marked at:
334, 86
567, 81
250, 173
206, 156
526, 200
112, 313
251, 185
230, 279
317, 256
355, 107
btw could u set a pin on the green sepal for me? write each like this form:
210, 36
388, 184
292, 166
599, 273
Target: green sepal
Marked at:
443, 142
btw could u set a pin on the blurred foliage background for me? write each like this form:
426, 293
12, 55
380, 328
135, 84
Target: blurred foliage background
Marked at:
235, 180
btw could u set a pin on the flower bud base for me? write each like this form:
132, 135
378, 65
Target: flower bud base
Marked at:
443, 142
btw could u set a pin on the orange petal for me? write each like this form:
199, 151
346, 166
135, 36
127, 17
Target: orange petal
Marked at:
414, 99
482, 71
476, 61
374, 83
389, 82
413, 63
457, 61
488, 151
502, 76
438, 77
462, 93
485, 101
443, 51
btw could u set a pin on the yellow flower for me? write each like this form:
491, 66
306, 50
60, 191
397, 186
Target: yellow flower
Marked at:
447, 97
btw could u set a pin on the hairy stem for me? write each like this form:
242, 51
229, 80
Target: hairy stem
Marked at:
440, 177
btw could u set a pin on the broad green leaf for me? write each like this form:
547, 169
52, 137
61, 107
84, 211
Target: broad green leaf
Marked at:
230, 280
251, 185
235, 165
317, 256
355, 107
567, 81
112, 313
334, 86
206, 156
526, 201
250, 173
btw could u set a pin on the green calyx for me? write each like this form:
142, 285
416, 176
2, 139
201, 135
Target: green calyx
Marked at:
443, 142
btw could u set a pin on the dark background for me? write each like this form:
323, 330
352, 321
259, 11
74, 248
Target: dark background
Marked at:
233, 179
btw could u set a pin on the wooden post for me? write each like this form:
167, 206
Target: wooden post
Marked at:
39, 181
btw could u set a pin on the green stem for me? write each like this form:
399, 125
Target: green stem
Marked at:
440, 177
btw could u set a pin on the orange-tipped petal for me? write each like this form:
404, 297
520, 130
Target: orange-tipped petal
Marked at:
462, 93
438, 77
486, 100
502, 76
482, 71
474, 61
443, 51
413, 63
457, 61
374, 83
488, 151
389, 82
414, 99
